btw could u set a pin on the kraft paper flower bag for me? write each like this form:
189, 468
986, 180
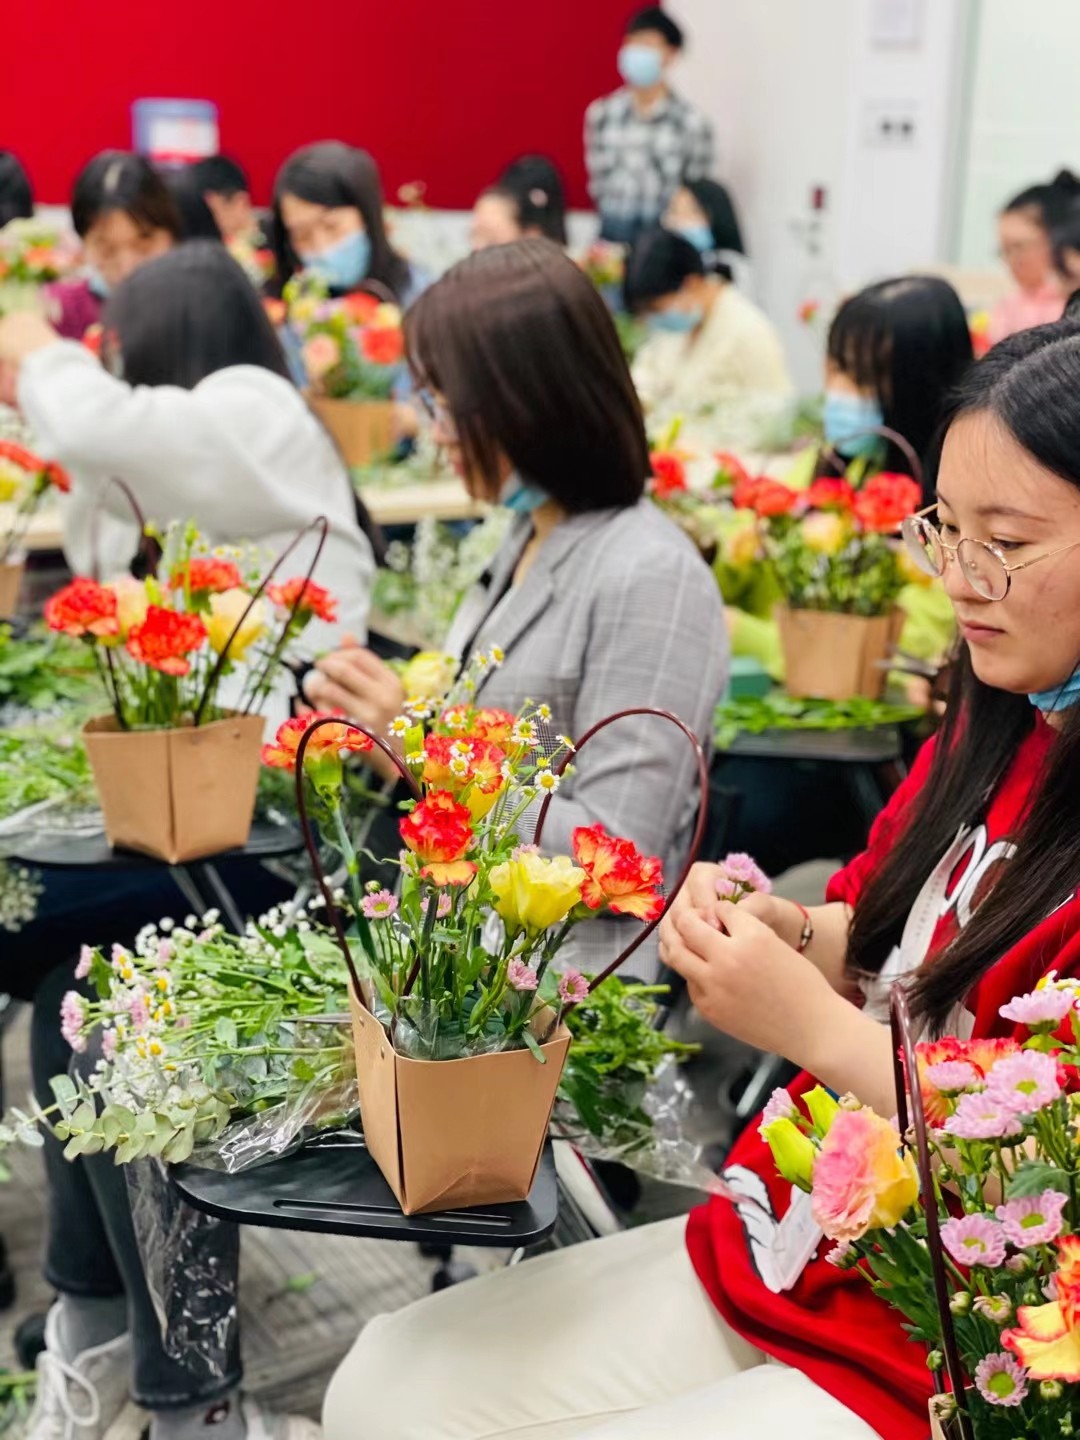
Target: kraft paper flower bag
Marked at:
176, 770
840, 571
458, 1001
964, 1215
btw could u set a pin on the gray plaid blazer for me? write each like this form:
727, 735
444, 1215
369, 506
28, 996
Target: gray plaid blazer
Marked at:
617, 610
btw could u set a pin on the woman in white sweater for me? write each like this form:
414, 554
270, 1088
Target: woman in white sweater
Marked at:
193, 409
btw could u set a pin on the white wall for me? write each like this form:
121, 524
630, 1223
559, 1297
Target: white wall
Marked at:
797, 90
1025, 111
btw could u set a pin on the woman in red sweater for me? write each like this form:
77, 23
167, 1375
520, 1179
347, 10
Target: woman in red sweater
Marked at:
736, 1326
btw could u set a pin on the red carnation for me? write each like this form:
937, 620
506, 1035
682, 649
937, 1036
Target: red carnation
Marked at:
765, 497
360, 306
164, 638
885, 501
831, 493
206, 575
45, 472
327, 741
83, 607
307, 598
620, 878
382, 344
731, 470
669, 475
439, 833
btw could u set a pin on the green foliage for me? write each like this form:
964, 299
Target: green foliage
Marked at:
754, 715
862, 578
43, 764
41, 670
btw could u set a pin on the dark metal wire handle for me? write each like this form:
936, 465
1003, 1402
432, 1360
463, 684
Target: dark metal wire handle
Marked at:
903, 445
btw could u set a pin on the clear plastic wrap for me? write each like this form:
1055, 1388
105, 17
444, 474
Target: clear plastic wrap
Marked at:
257, 1139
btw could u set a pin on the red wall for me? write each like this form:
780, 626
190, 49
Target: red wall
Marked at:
445, 91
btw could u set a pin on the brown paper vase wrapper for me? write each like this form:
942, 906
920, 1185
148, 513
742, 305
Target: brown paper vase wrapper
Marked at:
363, 429
11, 578
177, 794
828, 656
452, 1133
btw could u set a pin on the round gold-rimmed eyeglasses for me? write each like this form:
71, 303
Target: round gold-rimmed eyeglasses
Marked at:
982, 564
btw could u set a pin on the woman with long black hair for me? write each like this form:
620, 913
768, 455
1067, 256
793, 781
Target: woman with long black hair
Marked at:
328, 219
969, 894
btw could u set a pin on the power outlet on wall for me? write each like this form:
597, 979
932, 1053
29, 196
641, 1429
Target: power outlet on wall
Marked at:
890, 124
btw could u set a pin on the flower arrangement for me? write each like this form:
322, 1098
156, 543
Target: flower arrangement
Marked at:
33, 254
25, 480
1001, 1119
604, 262
254, 257
830, 545
164, 645
459, 962
353, 347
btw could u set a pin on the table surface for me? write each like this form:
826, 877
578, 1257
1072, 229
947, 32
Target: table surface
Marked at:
336, 1188
880, 746
55, 849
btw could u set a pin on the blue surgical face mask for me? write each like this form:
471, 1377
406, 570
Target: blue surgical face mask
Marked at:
97, 284
345, 264
521, 498
700, 236
675, 322
851, 415
1061, 697
641, 66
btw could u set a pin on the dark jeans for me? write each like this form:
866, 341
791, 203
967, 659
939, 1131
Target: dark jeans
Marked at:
91, 1247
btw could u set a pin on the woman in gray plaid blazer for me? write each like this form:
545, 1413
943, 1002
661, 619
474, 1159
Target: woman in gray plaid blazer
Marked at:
599, 602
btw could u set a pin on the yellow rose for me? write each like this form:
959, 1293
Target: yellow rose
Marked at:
387, 317
429, 675
12, 480
910, 572
826, 532
743, 549
534, 894
132, 602
225, 612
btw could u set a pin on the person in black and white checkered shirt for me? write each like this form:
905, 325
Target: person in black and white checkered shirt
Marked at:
642, 141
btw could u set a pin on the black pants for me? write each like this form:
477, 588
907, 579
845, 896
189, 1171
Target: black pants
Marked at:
90, 1246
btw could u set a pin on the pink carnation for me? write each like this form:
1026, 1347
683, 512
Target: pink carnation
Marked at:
1040, 1008
573, 987
86, 959
974, 1240
1034, 1220
1025, 1082
981, 1117
779, 1106
1000, 1380
521, 976
72, 1018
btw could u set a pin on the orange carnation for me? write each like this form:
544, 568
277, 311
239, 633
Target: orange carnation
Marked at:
765, 497
886, 500
360, 306
471, 770
327, 742
620, 878
45, 472
669, 475
382, 344
165, 638
308, 598
493, 725
830, 493
439, 833
980, 1054
204, 575
731, 470
1046, 1339
83, 607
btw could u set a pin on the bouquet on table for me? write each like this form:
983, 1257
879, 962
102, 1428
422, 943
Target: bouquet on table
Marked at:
840, 572
254, 257
352, 350
459, 964
176, 767
1002, 1154
32, 253
25, 480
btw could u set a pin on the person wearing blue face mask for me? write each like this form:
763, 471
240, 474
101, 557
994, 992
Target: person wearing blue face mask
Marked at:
644, 140
702, 211
708, 346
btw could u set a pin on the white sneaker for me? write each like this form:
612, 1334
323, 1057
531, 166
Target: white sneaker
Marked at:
79, 1399
266, 1425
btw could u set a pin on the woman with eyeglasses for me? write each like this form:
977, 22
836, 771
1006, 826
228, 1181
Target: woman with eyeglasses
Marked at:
738, 1325
1025, 243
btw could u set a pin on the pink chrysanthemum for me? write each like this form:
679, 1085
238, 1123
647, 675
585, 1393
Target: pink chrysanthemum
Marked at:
380, 906
840, 1254
1041, 1008
952, 1077
1000, 1380
442, 909
1034, 1220
980, 1117
520, 976
746, 872
1025, 1082
779, 1106
86, 959
996, 1308
573, 987
139, 1010
108, 1043
72, 1016
974, 1240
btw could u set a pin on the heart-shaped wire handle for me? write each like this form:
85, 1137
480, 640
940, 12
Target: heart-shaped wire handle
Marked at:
893, 436
309, 834
905, 1066
146, 545
696, 839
